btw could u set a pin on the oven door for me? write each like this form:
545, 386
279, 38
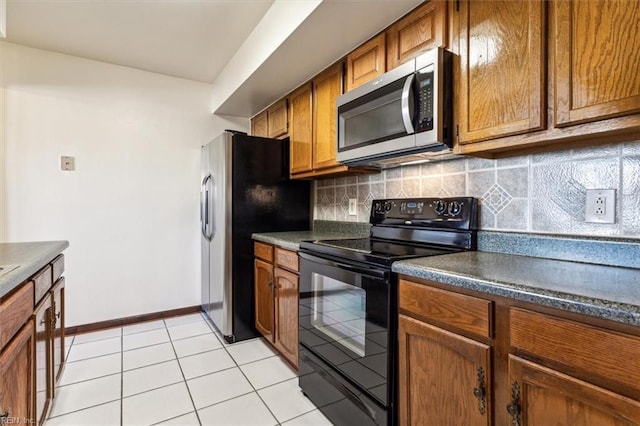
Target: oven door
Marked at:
345, 314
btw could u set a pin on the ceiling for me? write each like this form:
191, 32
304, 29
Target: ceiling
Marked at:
219, 42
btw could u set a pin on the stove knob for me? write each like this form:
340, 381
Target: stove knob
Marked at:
387, 206
440, 207
454, 208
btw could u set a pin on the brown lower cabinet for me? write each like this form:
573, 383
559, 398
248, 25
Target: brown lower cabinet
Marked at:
276, 298
477, 359
32, 346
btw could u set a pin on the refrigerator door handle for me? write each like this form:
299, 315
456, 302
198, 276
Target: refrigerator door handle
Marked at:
211, 209
204, 206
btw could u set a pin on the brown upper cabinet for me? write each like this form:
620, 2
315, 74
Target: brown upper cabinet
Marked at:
312, 127
423, 28
501, 89
512, 96
366, 62
597, 64
277, 119
260, 125
326, 88
272, 122
301, 130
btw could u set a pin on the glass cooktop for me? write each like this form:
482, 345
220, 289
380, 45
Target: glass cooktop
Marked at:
367, 250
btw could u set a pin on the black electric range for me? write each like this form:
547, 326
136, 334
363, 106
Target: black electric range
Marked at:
348, 303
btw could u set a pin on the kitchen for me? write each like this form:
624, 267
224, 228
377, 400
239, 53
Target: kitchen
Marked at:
136, 137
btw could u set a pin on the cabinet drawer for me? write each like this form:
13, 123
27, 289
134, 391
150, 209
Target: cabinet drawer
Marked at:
58, 267
263, 251
583, 348
15, 311
43, 283
287, 259
464, 312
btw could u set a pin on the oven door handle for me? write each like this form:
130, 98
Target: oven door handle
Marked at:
340, 387
363, 270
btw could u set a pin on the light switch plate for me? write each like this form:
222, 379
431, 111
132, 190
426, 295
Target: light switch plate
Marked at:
67, 163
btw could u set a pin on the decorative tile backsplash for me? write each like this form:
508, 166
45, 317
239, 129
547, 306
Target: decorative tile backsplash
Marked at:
542, 193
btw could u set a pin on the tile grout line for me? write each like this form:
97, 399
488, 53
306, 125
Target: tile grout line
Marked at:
195, 409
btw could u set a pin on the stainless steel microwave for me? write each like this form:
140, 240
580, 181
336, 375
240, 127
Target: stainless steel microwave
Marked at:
405, 112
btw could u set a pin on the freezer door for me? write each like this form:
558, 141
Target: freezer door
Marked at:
220, 279
204, 243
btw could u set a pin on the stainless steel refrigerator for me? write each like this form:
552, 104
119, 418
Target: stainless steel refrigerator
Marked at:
245, 188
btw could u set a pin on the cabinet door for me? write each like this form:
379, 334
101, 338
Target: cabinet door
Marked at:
263, 273
597, 60
57, 333
502, 69
422, 29
277, 119
541, 397
301, 129
16, 378
42, 326
260, 125
286, 305
440, 374
366, 62
326, 89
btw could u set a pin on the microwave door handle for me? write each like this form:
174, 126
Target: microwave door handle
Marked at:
406, 104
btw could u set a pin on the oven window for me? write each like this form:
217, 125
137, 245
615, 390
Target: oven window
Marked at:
339, 312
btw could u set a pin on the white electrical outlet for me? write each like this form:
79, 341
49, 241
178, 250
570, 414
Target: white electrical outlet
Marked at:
600, 206
353, 207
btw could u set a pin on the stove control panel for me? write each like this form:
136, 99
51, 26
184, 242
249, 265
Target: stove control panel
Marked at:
452, 212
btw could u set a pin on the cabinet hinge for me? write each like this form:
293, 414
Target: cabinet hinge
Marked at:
457, 5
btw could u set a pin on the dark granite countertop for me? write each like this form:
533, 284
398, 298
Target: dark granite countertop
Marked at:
322, 230
608, 292
291, 240
30, 256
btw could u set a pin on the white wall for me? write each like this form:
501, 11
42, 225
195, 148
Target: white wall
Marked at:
130, 209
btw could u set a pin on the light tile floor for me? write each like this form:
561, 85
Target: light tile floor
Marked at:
176, 371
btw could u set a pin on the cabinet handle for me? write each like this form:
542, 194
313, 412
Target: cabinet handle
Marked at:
480, 392
513, 408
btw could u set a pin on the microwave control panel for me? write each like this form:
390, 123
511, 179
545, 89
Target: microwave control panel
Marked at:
425, 82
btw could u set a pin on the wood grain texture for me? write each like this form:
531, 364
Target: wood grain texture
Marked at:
260, 125
366, 62
277, 119
423, 28
42, 361
602, 355
286, 315
286, 259
502, 69
263, 251
597, 66
263, 295
42, 282
437, 375
463, 312
326, 88
549, 397
16, 376
58, 268
15, 310
57, 334
301, 129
